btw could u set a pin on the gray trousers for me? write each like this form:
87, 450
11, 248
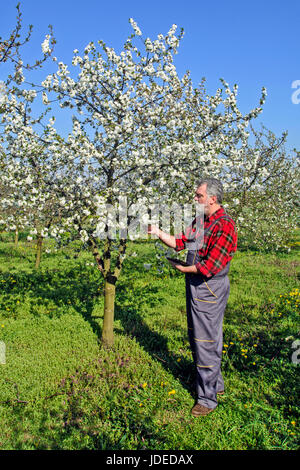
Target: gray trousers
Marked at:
206, 302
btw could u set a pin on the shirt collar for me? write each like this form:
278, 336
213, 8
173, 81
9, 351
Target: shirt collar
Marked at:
215, 215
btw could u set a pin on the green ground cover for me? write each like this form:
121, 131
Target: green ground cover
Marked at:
60, 390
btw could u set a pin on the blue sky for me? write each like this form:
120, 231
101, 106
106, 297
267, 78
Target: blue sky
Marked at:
253, 44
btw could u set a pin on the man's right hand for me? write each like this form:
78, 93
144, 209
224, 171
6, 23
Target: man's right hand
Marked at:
153, 230
167, 239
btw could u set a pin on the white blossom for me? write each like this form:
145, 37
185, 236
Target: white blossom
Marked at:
46, 45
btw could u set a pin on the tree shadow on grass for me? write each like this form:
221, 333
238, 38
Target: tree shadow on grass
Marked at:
77, 428
56, 290
76, 417
81, 288
155, 343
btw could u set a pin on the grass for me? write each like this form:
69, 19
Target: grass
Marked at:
60, 390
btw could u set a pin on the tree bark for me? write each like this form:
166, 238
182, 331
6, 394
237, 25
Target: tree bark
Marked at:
109, 310
104, 264
39, 245
16, 238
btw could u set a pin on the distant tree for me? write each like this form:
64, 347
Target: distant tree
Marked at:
10, 49
31, 170
262, 183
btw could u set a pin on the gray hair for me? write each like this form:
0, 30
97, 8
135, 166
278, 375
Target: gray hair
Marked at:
214, 187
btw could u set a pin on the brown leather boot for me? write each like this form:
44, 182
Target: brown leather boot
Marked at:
201, 410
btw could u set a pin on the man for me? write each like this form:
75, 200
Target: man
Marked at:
207, 289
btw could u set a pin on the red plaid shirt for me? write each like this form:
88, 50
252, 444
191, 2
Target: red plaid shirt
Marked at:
219, 244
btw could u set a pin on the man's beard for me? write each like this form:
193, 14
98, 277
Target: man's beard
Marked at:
206, 208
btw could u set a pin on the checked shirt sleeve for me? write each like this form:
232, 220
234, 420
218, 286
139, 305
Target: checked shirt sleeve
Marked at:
180, 243
221, 247
182, 238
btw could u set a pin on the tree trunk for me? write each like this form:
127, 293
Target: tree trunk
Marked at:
109, 310
39, 245
16, 237
110, 280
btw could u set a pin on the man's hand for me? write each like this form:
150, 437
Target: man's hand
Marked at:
184, 269
179, 267
153, 230
167, 239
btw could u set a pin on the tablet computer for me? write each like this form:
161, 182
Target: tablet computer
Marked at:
177, 261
